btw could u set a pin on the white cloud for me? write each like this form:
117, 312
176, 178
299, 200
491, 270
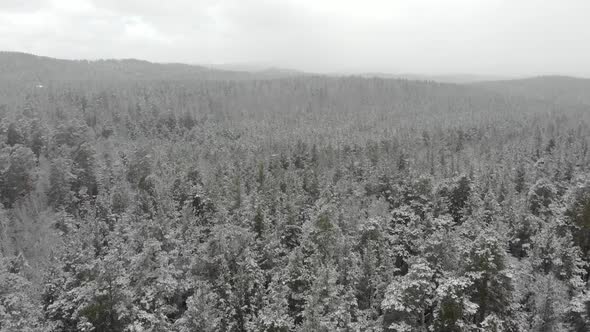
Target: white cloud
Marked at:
138, 30
423, 36
22, 6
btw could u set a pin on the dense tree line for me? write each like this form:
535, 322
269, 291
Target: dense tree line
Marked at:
294, 204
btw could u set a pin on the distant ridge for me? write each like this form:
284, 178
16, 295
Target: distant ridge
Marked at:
16, 66
449, 78
557, 89
254, 68
25, 67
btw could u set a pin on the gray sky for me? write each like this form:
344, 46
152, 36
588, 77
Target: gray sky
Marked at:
500, 37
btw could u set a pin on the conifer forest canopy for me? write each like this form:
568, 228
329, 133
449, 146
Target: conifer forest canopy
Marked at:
164, 197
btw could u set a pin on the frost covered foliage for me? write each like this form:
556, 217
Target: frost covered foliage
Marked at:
294, 204
20, 308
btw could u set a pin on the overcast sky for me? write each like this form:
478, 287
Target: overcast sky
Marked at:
500, 37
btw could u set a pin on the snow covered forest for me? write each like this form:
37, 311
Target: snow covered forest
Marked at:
146, 197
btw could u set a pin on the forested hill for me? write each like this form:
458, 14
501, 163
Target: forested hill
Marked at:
23, 67
557, 89
145, 197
